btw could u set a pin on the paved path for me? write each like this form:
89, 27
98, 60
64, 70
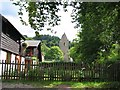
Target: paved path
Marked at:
63, 87
20, 85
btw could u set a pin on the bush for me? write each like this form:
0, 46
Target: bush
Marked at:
22, 74
80, 75
31, 74
14, 73
51, 74
66, 77
35, 74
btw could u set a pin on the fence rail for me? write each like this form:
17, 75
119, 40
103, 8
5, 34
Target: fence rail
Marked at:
61, 71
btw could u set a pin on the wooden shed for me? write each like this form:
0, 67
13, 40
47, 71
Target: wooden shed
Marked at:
32, 52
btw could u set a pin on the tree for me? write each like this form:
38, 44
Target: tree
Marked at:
100, 29
48, 40
44, 49
73, 51
99, 23
114, 54
54, 53
42, 13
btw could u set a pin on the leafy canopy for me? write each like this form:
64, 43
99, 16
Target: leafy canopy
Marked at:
99, 23
41, 14
100, 30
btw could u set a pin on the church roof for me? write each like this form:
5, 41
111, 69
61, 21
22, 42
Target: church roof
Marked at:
64, 36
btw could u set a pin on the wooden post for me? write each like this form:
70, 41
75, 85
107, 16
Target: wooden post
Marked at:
39, 52
19, 46
0, 43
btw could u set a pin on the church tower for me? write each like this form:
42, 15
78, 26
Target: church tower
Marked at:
64, 46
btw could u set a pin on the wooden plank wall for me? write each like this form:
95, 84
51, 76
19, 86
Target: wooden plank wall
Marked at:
9, 44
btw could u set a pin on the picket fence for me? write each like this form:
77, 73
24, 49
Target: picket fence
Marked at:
60, 71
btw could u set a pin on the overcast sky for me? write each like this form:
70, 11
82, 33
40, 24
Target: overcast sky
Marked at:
9, 11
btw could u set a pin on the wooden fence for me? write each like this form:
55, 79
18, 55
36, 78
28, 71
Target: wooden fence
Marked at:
61, 71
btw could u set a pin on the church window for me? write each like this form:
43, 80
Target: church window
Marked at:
64, 43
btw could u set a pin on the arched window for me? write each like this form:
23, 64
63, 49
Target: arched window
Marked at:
64, 43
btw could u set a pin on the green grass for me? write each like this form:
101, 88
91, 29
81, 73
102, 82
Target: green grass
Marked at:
53, 84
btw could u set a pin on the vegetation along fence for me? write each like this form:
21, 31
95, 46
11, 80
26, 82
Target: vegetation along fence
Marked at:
61, 71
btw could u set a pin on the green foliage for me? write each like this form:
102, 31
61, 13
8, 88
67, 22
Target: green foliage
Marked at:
114, 54
48, 40
22, 74
99, 30
51, 73
73, 51
111, 57
54, 53
89, 43
73, 54
39, 13
99, 23
44, 49
31, 74
67, 76
43, 13
35, 74
14, 73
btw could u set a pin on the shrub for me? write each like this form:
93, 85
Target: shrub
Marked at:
80, 75
35, 74
67, 76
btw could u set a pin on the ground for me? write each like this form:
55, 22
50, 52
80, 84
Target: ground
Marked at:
21, 85
58, 84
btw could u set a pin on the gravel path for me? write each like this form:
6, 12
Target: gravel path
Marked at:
63, 87
20, 85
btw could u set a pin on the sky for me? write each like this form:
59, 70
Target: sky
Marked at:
9, 11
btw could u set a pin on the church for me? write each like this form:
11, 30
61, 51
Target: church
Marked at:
64, 46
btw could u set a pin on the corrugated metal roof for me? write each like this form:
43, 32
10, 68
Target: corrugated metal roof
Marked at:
33, 43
